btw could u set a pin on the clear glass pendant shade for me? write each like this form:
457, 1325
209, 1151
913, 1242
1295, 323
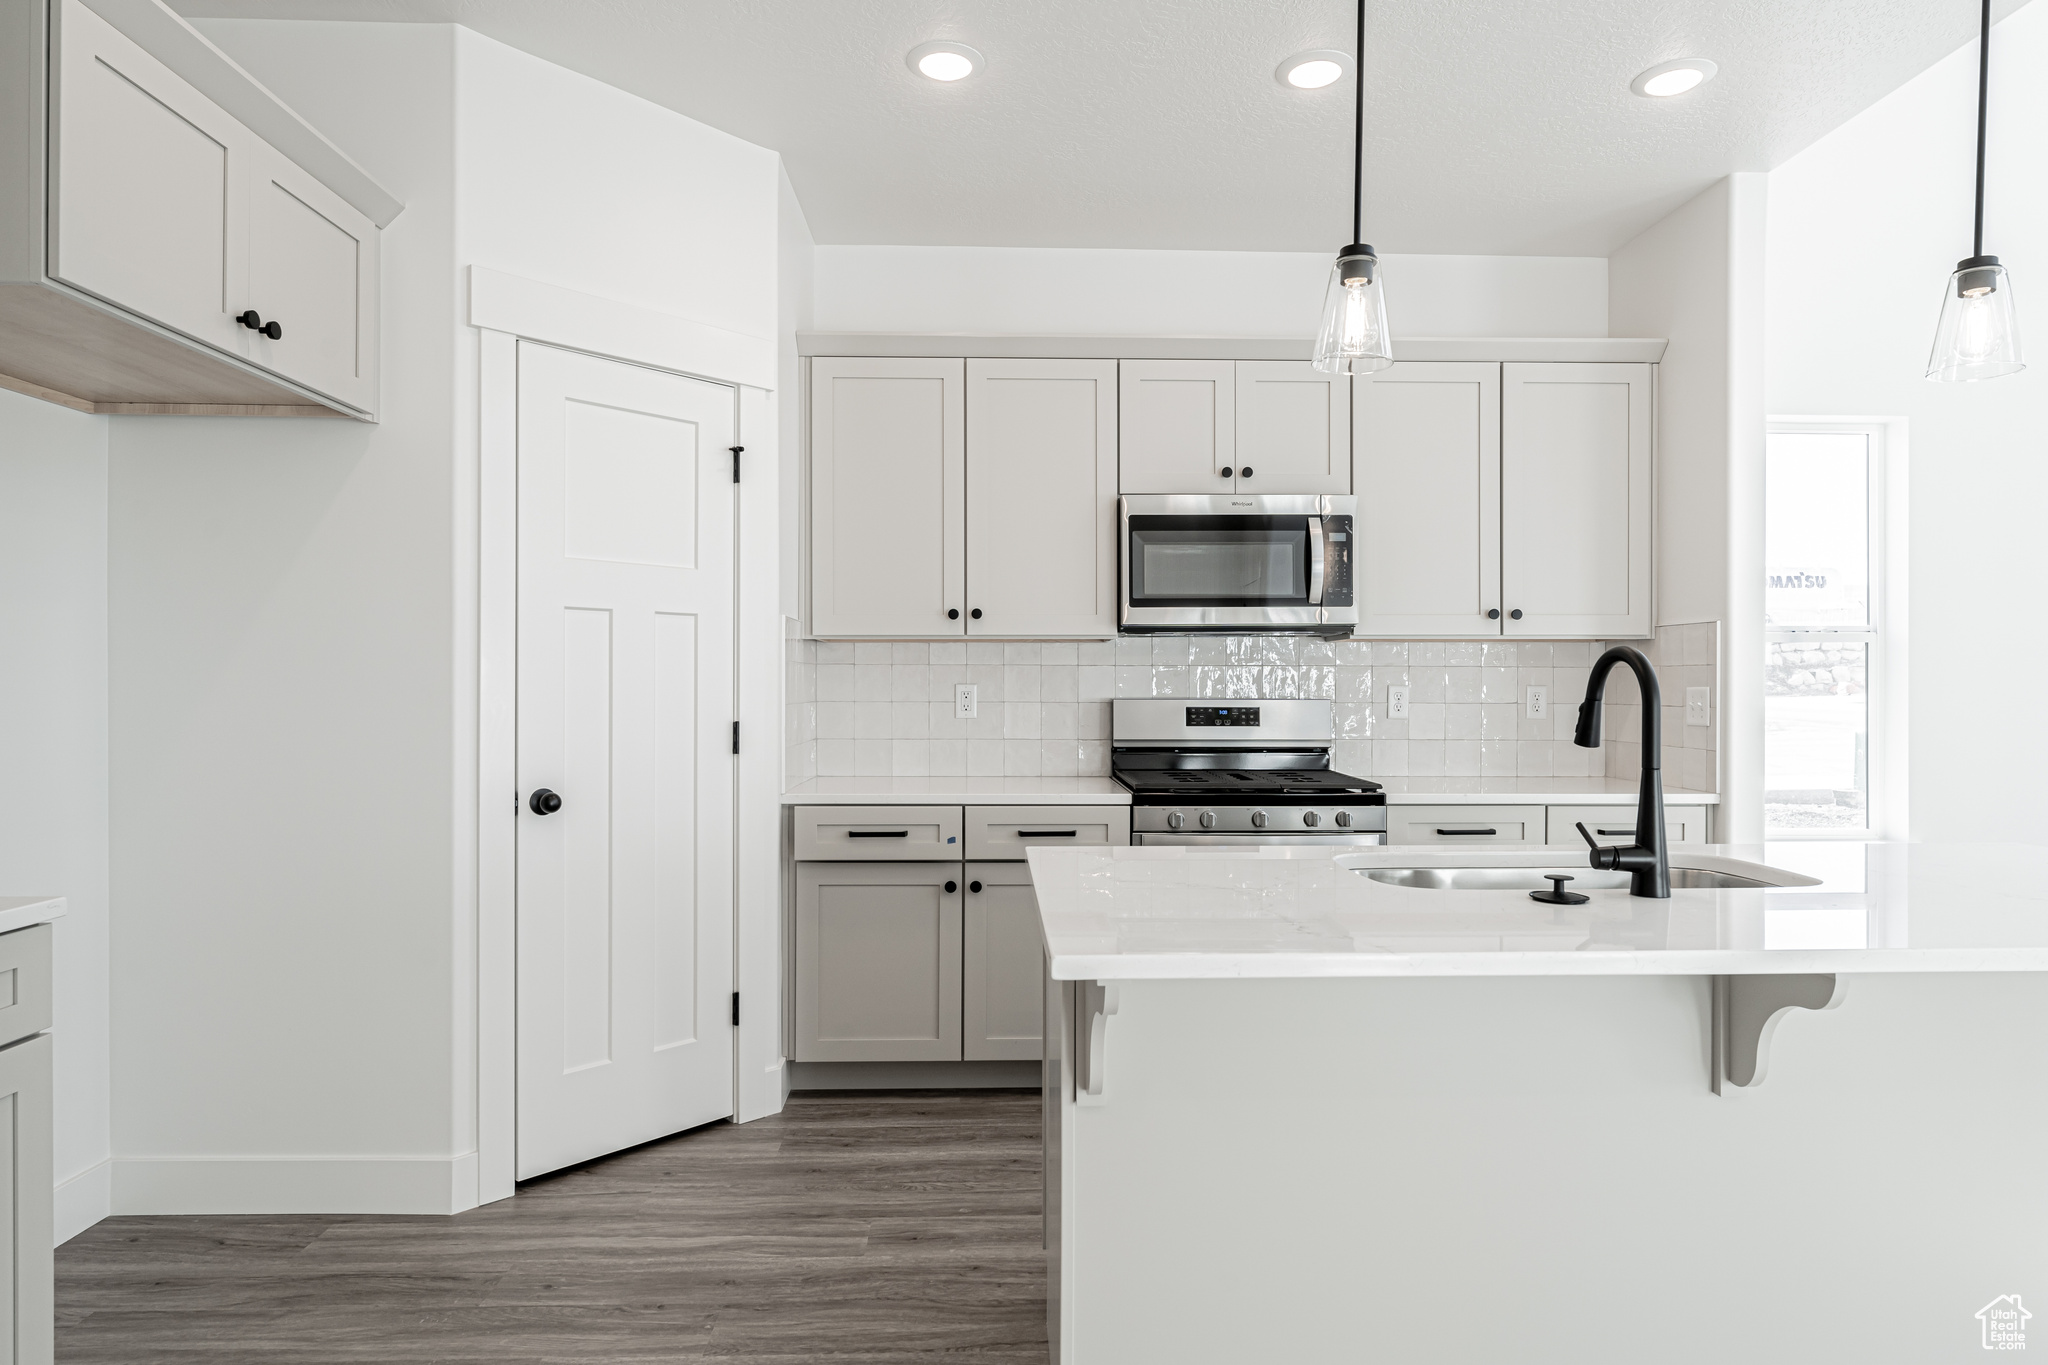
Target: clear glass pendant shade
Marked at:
1979, 335
1353, 338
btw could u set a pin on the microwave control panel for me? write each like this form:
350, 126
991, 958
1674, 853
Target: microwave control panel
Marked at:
1337, 546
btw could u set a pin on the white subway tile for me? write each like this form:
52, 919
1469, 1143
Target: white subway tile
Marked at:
1020, 720
910, 758
874, 757
949, 758
1390, 758
1021, 758
1059, 652
1020, 682
1059, 758
835, 652
985, 757
1021, 652
949, 653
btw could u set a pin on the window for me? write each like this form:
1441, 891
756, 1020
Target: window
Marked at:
1827, 637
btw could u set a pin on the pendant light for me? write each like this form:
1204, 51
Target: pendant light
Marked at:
1353, 337
1978, 336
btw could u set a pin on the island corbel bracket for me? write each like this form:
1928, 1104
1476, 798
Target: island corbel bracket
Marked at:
1746, 1013
1094, 1003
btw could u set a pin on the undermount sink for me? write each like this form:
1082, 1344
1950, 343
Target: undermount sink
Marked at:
1582, 878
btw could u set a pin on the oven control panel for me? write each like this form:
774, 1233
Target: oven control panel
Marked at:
1247, 716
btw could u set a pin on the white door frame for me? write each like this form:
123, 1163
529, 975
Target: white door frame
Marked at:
507, 309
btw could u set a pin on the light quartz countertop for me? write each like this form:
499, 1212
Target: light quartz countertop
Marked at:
19, 912
1401, 791
1193, 913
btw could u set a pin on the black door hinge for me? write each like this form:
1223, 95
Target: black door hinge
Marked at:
735, 1009
735, 736
735, 461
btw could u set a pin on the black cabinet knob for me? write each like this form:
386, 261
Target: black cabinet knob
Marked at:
976, 613
250, 319
952, 613
1516, 614
1245, 472
1493, 613
952, 887
543, 801
1229, 473
974, 886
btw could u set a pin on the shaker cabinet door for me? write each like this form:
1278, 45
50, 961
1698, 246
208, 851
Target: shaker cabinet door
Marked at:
1426, 457
1041, 498
312, 271
1177, 423
27, 1215
1293, 428
1002, 978
1575, 497
877, 962
888, 498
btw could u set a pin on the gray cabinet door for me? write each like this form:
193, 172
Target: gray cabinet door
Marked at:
877, 962
27, 1261
1177, 426
1002, 989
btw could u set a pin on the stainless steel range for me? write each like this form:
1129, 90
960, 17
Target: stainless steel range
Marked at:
1239, 772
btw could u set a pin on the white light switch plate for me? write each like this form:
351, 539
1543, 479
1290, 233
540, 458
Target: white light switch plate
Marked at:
1696, 706
965, 707
1397, 703
1539, 703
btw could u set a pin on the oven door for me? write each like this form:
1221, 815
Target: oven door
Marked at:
1355, 837
1252, 563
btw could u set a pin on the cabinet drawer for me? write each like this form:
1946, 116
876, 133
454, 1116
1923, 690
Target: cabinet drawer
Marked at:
902, 834
1478, 826
1002, 979
1682, 824
877, 962
996, 832
24, 982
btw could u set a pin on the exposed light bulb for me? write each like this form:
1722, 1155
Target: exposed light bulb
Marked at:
1353, 338
1978, 336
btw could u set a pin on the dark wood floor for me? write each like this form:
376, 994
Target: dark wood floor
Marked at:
860, 1228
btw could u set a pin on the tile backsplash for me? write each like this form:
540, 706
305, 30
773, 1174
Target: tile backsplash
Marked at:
875, 709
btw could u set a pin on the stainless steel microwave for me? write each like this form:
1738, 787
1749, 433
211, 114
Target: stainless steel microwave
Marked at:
1248, 563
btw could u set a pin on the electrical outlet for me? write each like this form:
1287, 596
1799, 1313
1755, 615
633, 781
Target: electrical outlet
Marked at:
1539, 703
965, 707
1696, 706
1397, 703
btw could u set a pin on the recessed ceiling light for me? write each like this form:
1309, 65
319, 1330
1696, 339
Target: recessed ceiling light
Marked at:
944, 61
1673, 78
1313, 70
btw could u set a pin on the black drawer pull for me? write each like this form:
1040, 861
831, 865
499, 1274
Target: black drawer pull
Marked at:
1616, 833
1468, 831
878, 834
1048, 833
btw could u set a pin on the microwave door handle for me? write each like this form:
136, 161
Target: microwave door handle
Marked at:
1315, 561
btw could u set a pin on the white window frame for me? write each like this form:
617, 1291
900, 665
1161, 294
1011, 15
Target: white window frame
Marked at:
1885, 756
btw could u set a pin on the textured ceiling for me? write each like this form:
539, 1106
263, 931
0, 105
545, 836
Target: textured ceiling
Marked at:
1494, 126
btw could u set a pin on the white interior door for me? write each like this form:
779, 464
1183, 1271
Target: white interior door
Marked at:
626, 706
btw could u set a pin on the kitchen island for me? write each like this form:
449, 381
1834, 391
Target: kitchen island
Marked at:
1295, 1113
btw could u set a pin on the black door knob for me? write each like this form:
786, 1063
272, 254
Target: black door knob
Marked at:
976, 613
974, 886
543, 801
952, 613
952, 887
1493, 613
1516, 614
1245, 472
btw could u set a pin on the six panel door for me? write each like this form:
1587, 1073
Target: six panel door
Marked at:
1177, 426
888, 498
1002, 966
1041, 497
1293, 428
1575, 493
1426, 455
877, 962
625, 703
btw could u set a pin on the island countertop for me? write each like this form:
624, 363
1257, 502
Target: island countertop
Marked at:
1195, 913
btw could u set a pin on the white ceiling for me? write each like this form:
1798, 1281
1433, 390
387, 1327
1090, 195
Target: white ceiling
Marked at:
1494, 126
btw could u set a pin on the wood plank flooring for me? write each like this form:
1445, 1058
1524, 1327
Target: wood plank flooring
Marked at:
865, 1228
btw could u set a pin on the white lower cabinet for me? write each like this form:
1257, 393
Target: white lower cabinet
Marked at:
877, 962
1682, 824
1465, 826
1003, 966
27, 1240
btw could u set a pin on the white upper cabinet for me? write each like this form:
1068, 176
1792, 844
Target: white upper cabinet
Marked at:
1575, 494
888, 497
1427, 465
1041, 497
1178, 426
312, 271
1293, 428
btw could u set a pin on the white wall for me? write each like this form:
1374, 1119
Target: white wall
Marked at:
53, 752
1694, 277
283, 676
795, 295
1865, 227
1193, 293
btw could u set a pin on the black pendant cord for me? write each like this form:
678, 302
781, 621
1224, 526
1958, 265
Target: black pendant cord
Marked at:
1983, 85
1358, 138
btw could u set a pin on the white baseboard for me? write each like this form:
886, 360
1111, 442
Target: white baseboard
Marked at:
294, 1184
84, 1199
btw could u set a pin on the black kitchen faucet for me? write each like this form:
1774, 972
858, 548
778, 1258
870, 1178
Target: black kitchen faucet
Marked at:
1648, 860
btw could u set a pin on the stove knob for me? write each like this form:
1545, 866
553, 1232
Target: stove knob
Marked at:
1344, 819
1208, 819
1258, 819
1176, 820
1311, 819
